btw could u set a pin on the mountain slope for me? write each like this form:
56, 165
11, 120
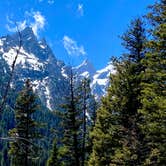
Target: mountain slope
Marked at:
37, 62
99, 79
85, 69
48, 75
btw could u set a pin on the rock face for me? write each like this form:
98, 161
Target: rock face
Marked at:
37, 62
99, 79
48, 75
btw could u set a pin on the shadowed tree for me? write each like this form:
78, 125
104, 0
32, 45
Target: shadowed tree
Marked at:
153, 93
23, 151
116, 135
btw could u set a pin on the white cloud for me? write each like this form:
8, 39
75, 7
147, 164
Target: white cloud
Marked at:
33, 19
72, 48
51, 2
39, 22
80, 9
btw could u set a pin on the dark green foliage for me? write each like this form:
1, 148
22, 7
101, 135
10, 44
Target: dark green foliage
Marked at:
70, 149
53, 159
76, 121
87, 106
153, 94
6, 124
130, 126
23, 150
102, 137
116, 134
48, 121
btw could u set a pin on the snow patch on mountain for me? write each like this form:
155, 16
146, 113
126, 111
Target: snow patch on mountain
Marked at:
48, 75
99, 79
63, 72
102, 76
43, 87
48, 97
23, 59
85, 74
37, 62
85, 69
1, 43
42, 46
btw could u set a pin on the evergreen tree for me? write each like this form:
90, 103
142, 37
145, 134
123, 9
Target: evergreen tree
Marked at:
130, 134
87, 106
153, 94
76, 121
70, 149
22, 149
53, 159
116, 133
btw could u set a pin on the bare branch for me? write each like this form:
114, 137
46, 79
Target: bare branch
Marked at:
4, 97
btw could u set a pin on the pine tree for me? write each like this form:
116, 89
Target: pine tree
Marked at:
87, 106
116, 134
153, 94
69, 151
53, 159
22, 149
130, 134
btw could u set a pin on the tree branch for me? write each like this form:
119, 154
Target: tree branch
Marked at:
4, 97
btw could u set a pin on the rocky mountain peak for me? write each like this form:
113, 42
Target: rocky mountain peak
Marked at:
48, 75
27, 31
85, 69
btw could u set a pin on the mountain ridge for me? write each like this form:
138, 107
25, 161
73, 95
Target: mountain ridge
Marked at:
48, 75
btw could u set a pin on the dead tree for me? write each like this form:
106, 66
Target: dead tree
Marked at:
7, 88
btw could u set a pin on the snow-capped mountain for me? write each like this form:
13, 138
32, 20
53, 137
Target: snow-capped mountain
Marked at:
37, 62
48, 75
85, 69
99, 79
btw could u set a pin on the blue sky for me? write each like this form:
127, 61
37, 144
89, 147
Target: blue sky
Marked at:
75, 29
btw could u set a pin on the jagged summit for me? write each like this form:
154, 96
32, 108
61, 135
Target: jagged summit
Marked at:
27, 35
49, 76
37, 62
85, 69
99, 79
27, 30
86, 62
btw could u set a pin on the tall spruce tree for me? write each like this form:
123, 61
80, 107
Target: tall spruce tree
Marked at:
87, 106
76, 118
153, 94
130, 134
53, 159
116, 134
69, 150
22, 149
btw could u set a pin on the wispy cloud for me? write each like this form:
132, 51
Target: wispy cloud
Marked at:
39, 22
33, 19
80, 9
51, 2
72, 48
